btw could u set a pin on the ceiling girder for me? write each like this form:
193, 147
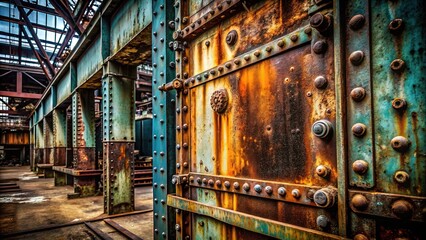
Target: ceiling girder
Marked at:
65, 12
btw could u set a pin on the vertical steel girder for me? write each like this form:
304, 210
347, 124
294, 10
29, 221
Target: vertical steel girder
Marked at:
59, 136
39, 144
163, 119
48, 139
118, 137
42, 56
83, 122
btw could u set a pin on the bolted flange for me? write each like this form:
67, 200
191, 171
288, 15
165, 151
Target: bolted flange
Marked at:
322, 23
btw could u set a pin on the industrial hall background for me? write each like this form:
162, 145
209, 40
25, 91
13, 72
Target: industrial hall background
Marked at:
212, 119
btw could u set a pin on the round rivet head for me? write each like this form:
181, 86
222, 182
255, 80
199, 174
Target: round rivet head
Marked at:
257, 188
322, 171
231, 37
401, 177
218, 183
402, 209
211, 182
359, 130
246, 187
320, 82
399, 104
236, 185
325, 197
268, 190
358, 94
360, 236
322, 128
400, 144
359, 202
282, 191
357, 22
356, 57
397, 65
320, 47
396, 26
205, 181
227, 184
360, 166
199, 180
295, 193
322, 221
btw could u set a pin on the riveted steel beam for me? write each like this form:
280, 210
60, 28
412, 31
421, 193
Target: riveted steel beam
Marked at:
118, 136
249, 222
59, 136
48, 139
163, 118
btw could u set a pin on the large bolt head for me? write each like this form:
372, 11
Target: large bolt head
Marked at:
322, 221
360, 166
325, 197
359, 202
402, 209
400, 144
322, 128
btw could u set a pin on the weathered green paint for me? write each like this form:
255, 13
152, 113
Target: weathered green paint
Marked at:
118, 95
64, 88
132, 17
143, 137
249, 222
360, 148
83, 105
164, 119
48, 103
410, 84
40, 113
48, 139
90, 62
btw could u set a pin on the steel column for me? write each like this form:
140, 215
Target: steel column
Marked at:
48, 139
59, 136
118, 137
83, 122
163, 118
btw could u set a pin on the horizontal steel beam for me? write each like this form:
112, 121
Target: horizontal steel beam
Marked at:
35, 25
20, 95
246, 221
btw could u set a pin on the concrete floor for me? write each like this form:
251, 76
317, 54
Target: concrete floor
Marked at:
40, 203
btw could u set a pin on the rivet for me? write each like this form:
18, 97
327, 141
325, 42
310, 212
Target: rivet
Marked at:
236, 185
281, 43
356, 57
247, 57
220, 69
207, 43
308, 30
320, 82
400, 143
357, 22
322, 221
399, 104
360, 166
281, 191
397, 65
218, 183
227, 184
177, 227
237, 61
268, 49
401, 177
256, 53
402, 209
228, 65
320, 47
396, 26
294, 38
360, 236
185, 164
359, 130
231, 37
246, 187
199, 180
257, 188
205, 181
359, 202
322, 171
295, 193
358, 94
268, 190
325, 197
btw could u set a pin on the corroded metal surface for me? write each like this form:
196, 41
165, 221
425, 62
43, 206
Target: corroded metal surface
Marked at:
306, 115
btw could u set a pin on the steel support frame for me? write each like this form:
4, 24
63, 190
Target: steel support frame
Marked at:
59, 143
65, 12
83, 143
163, 118
118, 89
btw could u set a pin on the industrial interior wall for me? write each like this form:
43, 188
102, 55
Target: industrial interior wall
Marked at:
289, 119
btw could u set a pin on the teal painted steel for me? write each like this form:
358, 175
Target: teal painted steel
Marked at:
64, 88
163, 119
90, 63
132, 17
59, 128
143, 136
359, 112
388, 85
48, 103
